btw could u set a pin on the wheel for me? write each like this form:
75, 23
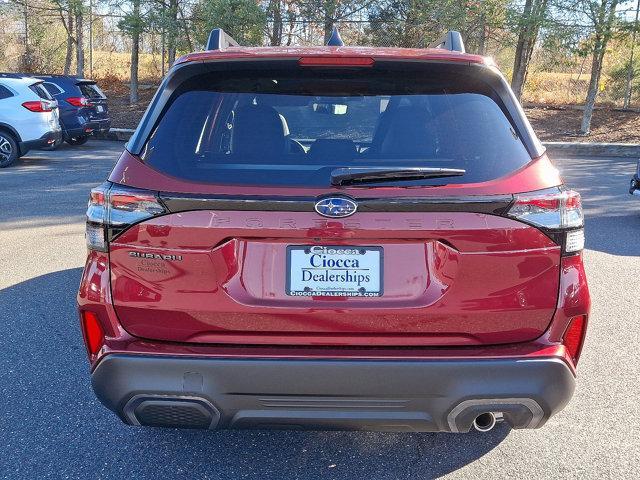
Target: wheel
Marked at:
79, 140
8, 149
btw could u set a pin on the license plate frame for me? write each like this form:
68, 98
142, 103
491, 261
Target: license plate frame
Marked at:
375, 254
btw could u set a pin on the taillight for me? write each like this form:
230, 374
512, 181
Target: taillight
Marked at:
79, 101
39, 106
93, 332
95, 234
114, 208
573, 338
558, 213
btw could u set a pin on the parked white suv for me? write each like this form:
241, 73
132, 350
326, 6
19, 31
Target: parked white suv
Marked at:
28, 118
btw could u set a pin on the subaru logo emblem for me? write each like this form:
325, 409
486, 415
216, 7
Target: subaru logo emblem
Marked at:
336, 207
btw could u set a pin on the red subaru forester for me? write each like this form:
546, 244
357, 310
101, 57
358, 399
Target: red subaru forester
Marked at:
334, 237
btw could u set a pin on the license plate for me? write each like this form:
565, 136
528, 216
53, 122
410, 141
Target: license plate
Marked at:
99, 108
334, 271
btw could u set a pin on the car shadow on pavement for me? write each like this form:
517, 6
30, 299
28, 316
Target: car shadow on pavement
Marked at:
56, 425
46, 188
614, 235
286, 454
612, 216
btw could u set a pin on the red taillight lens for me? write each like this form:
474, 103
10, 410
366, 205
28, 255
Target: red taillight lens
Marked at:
97, 196
113, 208
38, 106
129, 205
553, 211
573, 338
336, 62
135, 202
79, 101
93, 333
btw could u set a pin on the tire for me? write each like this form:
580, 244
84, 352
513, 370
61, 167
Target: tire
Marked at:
9, 152
79, 140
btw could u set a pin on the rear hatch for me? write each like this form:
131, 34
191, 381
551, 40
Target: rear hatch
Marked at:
98, 109
51, 113
331, 206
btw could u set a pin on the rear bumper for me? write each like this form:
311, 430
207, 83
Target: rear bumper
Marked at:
386, 394
87, 128
101, 125
49, 138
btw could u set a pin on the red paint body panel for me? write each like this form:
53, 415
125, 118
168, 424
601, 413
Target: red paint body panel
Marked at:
95, 295
481, 280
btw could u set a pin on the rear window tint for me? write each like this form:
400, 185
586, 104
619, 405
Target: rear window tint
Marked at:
52, 88
90, 90
294, 129
5, 92
39, 90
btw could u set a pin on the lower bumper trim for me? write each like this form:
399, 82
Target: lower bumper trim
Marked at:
396, 395
49, 138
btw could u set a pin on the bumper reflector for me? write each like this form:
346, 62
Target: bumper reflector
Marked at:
93, 333
574, 336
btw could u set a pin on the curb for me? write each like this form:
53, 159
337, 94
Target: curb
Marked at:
579, 149
115, 134
564, 149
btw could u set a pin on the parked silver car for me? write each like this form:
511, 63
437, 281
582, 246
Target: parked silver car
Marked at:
28, 118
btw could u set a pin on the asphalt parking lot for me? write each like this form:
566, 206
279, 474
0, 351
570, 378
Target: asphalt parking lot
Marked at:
51, 426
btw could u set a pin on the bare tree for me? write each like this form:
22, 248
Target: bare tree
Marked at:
172, 31
630, 69
27, 60
274, 13
531, 21
79, 14
602, 15
135, 50
70, 41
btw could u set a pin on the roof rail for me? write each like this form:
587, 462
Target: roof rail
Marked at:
219, 39
451, 40
335, 40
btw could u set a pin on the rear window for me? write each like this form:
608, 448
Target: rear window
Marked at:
52, 88
39, 90
5, 92
90, 90
295, 128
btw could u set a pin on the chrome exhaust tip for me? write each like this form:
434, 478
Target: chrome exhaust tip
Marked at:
484, 422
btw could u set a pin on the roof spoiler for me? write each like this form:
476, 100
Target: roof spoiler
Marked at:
451, 40
219, 39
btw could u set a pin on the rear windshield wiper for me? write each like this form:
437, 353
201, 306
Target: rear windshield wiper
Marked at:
356, 175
